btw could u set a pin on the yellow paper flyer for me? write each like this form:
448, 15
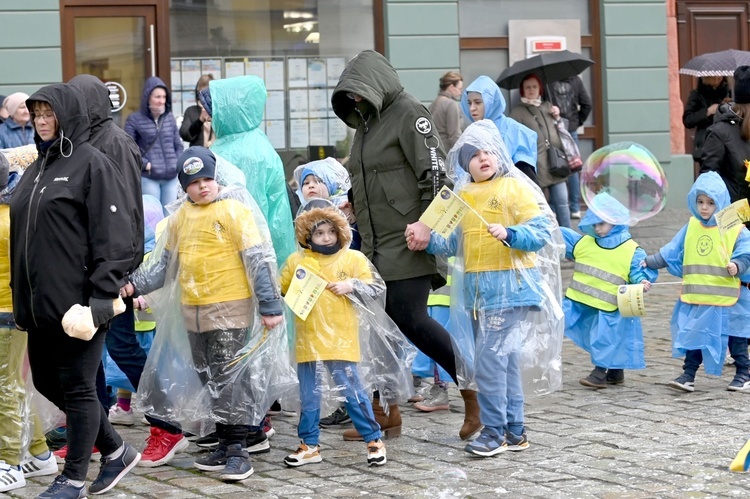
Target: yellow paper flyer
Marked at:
304, 291
444, 213
630, 300
733, 215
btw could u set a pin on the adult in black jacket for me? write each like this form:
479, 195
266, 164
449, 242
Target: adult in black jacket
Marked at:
727, 145
70, 243
195, 129
701, 107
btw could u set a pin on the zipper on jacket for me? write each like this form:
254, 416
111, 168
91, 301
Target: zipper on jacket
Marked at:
26, 239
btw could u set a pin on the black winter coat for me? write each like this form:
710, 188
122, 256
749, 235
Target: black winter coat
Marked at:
696, 112
120, 148
70, 230
725, 153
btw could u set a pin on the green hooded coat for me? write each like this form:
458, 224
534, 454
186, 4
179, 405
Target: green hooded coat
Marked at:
238, 106
390, 163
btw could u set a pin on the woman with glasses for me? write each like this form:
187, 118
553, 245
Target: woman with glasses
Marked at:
70, 243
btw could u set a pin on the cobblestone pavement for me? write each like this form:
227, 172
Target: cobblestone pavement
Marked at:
640, 439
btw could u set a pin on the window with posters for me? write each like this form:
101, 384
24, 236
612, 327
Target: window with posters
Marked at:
298, 48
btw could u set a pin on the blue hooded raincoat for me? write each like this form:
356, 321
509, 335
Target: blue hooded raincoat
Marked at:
519, 139
614, 341
701, 327
238, 106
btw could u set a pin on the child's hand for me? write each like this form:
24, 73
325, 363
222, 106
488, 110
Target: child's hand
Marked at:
271, 321
341, 287
646, 285
127, 290
139, 303
732, 268
643, 264
498, 231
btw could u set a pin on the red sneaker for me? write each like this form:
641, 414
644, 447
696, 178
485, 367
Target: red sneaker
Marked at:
62, 453
161, 447
268, 427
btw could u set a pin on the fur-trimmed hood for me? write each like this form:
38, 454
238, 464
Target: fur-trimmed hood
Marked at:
306, 220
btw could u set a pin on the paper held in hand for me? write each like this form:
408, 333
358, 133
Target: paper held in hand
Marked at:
304, 291
445, 212
630, 300
733, 215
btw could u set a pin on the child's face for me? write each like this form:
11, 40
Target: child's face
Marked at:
313, 188
325, 235
203, 190
483, 166
602, 228
706, 206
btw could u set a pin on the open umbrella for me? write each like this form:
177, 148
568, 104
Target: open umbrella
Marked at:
716, 63
549, 66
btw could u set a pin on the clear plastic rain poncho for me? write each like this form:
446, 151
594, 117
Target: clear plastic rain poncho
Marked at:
331, 174
211, 272
350, 328
504, 298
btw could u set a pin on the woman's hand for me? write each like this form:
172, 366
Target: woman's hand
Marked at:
712, 109
498, 231
271, 321
346, 209
417, 236
340, 287
555, 112
732, 268
148, 166
646, 285
127, 290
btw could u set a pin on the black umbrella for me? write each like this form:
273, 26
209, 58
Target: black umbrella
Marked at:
716, 63
549, 66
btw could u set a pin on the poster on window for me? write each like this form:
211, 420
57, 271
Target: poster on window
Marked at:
275, 106
335, 66
298, 107
298, 134
276, 133
319, 132
176, 74
211, 66
234, 68
318, 103
274, 77
297, 72
337, 130
316, 73
255, 67
191, 71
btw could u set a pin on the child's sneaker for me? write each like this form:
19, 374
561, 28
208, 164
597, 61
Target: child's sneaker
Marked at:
239, 465
210, 441
61, 488
118, 415
161, 447
337, 418
487, 444
436, 401
61, 454
304, 455
11, 477
740, 383
57, 438
421, 387
268, 427
33, 466
215, 461
615, 376
684, 382
597, 379
517, 443
257, 443
376, 453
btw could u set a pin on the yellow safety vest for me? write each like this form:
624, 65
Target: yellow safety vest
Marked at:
441, 297
598, 272
705, 279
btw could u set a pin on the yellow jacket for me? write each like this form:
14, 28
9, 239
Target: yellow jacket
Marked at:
331, 330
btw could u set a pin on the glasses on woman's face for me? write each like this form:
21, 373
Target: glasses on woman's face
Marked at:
47, 115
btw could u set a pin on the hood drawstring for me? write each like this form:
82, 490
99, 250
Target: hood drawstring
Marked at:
63, 138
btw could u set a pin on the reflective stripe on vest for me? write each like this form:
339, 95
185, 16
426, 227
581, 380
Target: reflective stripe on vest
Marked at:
441, 297
705, 279
598, 272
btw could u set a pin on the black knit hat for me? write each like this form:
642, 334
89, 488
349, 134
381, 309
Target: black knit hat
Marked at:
195, 162
742, 85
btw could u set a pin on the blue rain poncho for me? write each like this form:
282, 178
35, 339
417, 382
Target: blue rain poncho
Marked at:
614, 341
520, 141
238, 106
701, 327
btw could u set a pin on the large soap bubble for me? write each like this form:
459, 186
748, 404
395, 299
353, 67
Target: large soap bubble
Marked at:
629, 173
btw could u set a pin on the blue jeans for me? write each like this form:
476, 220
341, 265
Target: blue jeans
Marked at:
558, 201
499, 381
357, 403
163, 190
574, 186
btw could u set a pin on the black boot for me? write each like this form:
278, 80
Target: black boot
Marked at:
597, 378
615, 376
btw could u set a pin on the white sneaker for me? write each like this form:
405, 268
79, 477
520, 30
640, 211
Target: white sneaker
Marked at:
576, 215
420, 391
304, 455
118, 415
10, 477
437, 400
32, 466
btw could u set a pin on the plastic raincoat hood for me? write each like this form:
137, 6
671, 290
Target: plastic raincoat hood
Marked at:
710, 184
238, 104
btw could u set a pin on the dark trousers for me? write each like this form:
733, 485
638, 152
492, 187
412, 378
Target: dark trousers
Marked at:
737, 350
129, 356
64, 371
406, 304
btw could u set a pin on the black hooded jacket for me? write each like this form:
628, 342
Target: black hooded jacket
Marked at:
120, 148
696, 111
725, 153
70, 230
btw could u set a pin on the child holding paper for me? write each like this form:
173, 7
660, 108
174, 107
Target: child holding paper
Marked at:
710, 313
496, 244
328, 338
606, 258
226, 270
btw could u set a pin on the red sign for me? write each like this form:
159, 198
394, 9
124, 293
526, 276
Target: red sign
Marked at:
547, 45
